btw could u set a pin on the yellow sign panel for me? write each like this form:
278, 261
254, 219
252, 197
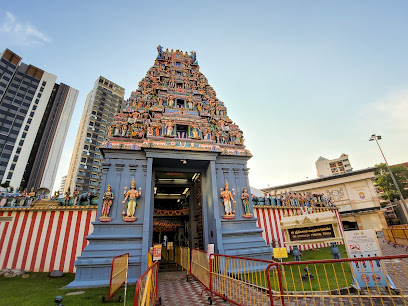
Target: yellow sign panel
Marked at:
280, 253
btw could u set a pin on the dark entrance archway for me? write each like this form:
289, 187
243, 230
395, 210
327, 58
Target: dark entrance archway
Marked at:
177, 214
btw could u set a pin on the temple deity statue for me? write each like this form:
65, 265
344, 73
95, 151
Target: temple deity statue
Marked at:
31, 196
149, 131
228, 199
107, 203
23, 197
159, 51
67, 197
245, 202
169, 128
194, 131
75, 194
131, 196
170, 100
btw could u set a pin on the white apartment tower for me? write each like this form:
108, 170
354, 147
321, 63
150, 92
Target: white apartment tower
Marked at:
328, 167
101, 105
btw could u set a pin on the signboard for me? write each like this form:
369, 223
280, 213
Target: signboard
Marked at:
363, 243
210, 249
157, 248
169, 245
312, 232
280, 253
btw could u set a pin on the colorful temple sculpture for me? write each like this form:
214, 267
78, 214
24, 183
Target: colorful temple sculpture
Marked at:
185, 161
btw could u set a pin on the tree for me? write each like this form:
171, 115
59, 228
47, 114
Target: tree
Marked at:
5, 185
383, 180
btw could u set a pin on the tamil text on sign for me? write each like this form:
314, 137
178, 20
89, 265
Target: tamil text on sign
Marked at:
312, 232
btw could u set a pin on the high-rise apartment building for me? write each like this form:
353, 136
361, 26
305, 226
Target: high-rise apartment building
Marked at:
328, 167
62, 185
35, 113
102, 103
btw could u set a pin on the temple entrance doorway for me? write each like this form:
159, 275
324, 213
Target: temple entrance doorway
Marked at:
177, 213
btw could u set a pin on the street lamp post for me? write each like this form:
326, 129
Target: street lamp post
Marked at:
376, 138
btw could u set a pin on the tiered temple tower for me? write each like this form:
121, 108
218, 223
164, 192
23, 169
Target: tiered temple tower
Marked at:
172, 123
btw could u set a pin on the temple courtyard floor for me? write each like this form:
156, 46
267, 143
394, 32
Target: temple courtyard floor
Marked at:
39, 289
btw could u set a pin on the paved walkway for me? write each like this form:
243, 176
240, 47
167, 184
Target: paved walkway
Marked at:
174, 290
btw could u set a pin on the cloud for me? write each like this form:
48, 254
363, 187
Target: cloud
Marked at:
21, 33
395, 109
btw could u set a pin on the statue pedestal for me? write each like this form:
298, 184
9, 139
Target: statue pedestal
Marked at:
247, 216
105, 219
228, 217
129, 219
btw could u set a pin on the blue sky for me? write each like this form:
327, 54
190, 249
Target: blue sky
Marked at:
302, 79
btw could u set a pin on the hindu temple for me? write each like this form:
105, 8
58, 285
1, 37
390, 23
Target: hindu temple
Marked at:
175, 168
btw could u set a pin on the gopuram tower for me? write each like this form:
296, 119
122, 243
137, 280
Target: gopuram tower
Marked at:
175, 170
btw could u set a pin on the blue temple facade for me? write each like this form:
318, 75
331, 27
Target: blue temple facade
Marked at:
172, 150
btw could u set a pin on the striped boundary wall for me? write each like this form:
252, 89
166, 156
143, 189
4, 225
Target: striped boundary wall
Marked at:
44, 240
269, 218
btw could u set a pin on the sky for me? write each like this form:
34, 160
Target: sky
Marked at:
302, 79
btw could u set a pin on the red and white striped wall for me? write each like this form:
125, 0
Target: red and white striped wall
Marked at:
44, 240
269, 218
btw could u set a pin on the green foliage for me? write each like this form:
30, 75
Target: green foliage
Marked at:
327, 276
384, 181
39, 289
5, 185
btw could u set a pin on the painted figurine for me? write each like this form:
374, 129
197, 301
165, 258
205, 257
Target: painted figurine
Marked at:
31, 196
75, 195
245, 202
228, 197
107, 203
132, 195
67, 197
124, 202
296, 253
335, 250
23, 197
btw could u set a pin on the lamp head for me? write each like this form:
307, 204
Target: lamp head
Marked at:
58, 299
374, 137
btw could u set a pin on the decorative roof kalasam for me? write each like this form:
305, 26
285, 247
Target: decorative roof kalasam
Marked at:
174, 107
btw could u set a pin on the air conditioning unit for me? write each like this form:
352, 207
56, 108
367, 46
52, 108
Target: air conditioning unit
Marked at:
85, 167
87, 153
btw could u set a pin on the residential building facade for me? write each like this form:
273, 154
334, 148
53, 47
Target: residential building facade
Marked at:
328, 167
102, 103
62, 185
35, 113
